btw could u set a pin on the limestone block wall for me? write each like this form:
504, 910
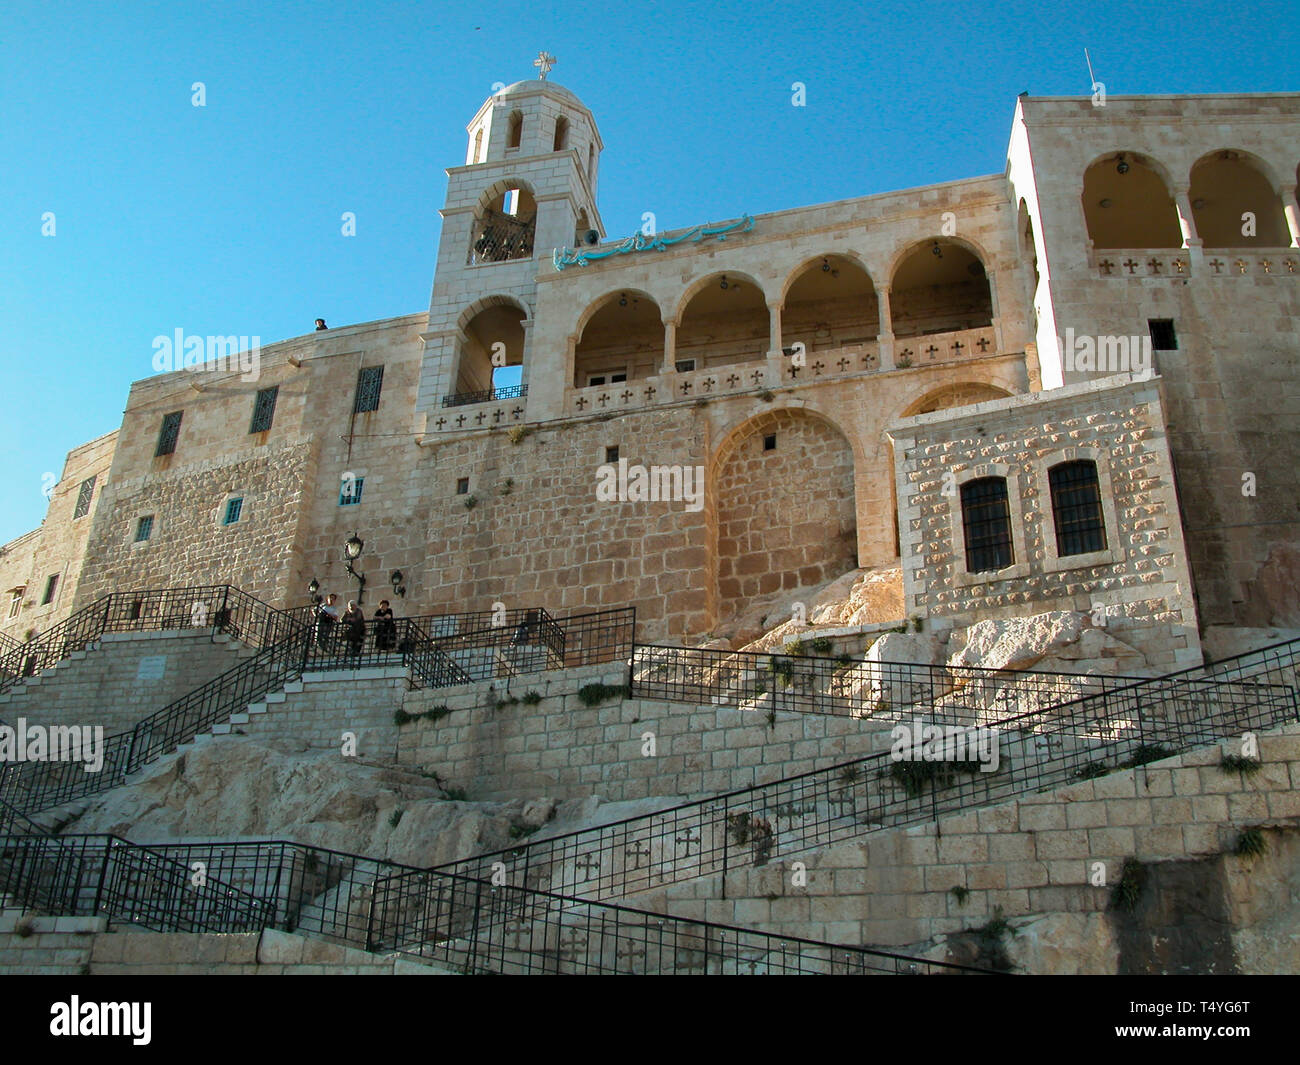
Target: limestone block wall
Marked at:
126, 677
1032, 856
1140, 586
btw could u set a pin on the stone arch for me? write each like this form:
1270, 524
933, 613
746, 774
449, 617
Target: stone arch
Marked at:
785, 518
723, 319
939, 285
503, 230
1128, 202
492, 320
1227, 183
954, 394
619, 334
828, 302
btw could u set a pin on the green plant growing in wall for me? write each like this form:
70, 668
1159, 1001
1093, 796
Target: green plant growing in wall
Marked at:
454, 794
437, 713
506, 487
395, 818
595, 694
471, 502
1146, 753
1128, 890
518, 433
1250, 843
961, 894
795, 647
400, 717
1092, 770
1235, 763
532, 697
903, 362
766, 395
918, 624
822, 645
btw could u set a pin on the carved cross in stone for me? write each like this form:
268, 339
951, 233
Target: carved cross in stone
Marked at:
1106, 266
868, 359
957, 345
586, 864
517, 413
688, 839
544, 62
686, 388
906, 353
576, 942
626, 394
1267, 264
843, 364
1130, 265
818, 367
1154, 265
498, 414
757, 375
603, 398
1290, 265
440, 422
650, 394
932, 351
794, 373
480, 416
1180, 265
732, 379
638, 851
708, 384
1240, 264
1218, 265
982, 344
631, 951
460, 420
581, 402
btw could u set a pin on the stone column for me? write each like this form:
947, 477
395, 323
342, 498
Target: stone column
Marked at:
670, 346
1292, 212
774, 330
885, 338
526, 356
1187, 224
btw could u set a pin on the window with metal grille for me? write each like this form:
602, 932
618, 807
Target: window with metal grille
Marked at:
350, 493
369, 382
264, 410
1163, 337
171, 431
83, 498
986, 522
1076, 508
51, 585
143, 529
234, 507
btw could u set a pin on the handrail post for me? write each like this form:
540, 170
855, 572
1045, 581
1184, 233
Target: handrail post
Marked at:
103, 874
726, 842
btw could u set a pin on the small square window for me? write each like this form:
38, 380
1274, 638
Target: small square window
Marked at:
350, 493
144, 529
1163, 337
617, 378
685, 365
611, 454
769, 442
170, 433
462, 486
51, 585
595, 379
233, 509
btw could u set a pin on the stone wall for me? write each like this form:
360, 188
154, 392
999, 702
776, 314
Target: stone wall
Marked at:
1030, 857
1139, 586
122, 679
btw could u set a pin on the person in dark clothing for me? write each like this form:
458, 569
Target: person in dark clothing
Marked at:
354, 629
385, 627
327, 616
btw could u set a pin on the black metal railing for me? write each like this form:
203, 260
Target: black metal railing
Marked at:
383, 906
1037, 750
487, 395
849, 687
499, 237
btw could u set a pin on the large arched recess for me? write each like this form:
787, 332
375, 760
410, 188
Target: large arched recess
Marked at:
1128, 203
784, 507
486, 323
723, 319
939, 285
619, 335
1228, 188
829, 302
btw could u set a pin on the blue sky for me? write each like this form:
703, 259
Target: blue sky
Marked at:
225, 219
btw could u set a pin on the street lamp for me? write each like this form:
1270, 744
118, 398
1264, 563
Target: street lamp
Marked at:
398, 587
313, 590
351, 552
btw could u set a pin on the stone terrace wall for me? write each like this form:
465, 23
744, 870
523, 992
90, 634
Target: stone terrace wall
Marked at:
1031, 856
104, 686
1141, 580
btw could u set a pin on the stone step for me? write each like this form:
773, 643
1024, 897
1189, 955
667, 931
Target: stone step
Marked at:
221, 730
293, 687
255, 708
239, 719
275, 697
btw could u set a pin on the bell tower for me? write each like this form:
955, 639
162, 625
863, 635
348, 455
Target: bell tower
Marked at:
527, 187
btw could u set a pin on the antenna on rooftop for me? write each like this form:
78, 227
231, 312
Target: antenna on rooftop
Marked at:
1092, 80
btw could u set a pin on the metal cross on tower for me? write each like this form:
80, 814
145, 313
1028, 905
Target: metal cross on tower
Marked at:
544, 62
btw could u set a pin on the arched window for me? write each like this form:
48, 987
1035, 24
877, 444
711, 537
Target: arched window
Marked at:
478, 147
561, 134
1126, 204
515, 130
591, 162
1076, 508
986, 523
1235, 205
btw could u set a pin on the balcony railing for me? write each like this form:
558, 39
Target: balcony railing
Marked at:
488, 395
1146, 263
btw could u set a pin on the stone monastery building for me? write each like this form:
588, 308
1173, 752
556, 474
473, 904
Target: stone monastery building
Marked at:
1072, 385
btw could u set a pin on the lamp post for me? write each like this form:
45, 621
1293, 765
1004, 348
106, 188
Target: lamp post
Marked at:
396, 579
351, 552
